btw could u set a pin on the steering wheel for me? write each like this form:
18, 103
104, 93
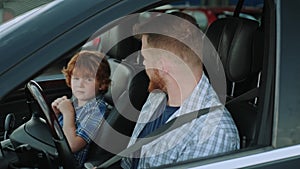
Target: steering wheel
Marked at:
64, 151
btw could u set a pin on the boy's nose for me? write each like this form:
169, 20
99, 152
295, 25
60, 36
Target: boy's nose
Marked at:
81, 83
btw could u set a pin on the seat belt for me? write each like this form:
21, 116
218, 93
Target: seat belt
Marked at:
171, 125
245, 96
238, 8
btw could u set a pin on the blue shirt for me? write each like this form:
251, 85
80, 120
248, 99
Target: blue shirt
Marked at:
154, 124
88, 120
158, 121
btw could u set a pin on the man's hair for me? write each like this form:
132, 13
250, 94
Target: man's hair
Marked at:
180, 24
90, 64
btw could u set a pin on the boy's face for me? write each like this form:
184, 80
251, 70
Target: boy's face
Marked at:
84, 87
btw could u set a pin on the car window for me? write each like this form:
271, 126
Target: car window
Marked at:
200, 17
10, 9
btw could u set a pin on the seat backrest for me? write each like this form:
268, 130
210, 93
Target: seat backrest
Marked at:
117, 44
233, 39
236, 41
125, 97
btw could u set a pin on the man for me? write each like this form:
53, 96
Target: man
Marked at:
178, 86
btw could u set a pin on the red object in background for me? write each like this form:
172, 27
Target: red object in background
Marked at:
6, 15
211, 17
212, 13
96, 41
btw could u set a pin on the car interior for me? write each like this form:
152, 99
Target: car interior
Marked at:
240, 45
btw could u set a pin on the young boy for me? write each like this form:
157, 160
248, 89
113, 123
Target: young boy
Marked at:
87, 74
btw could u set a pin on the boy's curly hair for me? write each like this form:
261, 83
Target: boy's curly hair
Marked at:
89, 64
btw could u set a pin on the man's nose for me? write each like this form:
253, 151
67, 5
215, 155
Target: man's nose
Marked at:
142, 53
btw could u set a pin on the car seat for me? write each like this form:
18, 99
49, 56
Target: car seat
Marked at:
125, 98
239, 44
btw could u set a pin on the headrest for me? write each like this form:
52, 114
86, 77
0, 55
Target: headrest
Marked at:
116, 46
234, 39
121, 76
129, 85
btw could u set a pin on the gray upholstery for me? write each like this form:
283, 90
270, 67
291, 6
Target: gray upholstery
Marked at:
125, 98
121, 76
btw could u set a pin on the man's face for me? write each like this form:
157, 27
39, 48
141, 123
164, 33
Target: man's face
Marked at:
147, 53
151, 61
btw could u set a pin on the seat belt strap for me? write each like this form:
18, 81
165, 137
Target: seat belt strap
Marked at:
245, 96
238, 8
171, 125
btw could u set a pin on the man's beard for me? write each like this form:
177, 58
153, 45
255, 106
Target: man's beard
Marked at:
156, 81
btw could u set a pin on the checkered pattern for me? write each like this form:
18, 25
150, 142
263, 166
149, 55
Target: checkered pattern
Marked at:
88, 120
210, 134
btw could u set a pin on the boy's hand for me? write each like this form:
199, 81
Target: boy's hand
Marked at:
65, 106
62, 105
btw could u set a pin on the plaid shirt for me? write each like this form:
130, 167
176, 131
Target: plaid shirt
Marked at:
88, 120
209, 134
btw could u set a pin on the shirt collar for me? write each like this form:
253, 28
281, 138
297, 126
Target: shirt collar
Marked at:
197, 99
91, 101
